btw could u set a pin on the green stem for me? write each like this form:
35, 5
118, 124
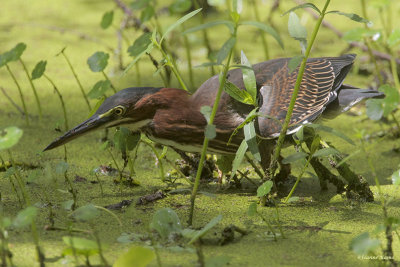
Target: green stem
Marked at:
116, 165
108, 79
77, 80
298, 179
61, 100
285, 125
33, 87
20, 93
158, 158
268, 225
189, 58
256, 8
206, 140
256, 169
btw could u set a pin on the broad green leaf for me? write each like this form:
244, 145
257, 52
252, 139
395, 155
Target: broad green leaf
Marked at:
249, 78
363, 244
251, 116
180, 6
179, 22
394, 38
25, 217
61, 167
39, 69
240, 95
141, 44
251, 138
80, 246
315, 144
98, 61
139, 4
15, 53
227, 23
294, 157
396, 177
252, 210
374, 109
296, 30
132, 139
351, 16
217, 261
239, 156
206, 111
105, 145
206, 228
391, 100
165, 221
306, 5
225, 49
86, 213
99, 89
107, 19
294, 62
325, 152
135, 256
67, 205
147, 13
264, 189
9, 137
268, 29
210, 131
224, 163
235, 16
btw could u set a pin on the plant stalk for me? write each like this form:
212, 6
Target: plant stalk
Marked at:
33, 88
20, 94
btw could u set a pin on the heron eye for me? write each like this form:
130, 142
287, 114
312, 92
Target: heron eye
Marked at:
119, 111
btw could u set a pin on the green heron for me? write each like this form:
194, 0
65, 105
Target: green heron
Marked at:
172, 117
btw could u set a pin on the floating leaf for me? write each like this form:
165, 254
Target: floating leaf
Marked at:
351, 16
306, 5
166, 222
225, 49
179, 22
25, 217
86, 213
294, 62
80, 246
227, 23
107, 19
99, 89
268, 29
39, 70
264, 189
9, 137
294, 157
98, 61
217, 261
249, 78
363, 244
206, 228
251, 139
239, 156
252, 209
139, 256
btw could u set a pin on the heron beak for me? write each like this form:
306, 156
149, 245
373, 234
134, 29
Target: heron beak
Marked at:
87, 126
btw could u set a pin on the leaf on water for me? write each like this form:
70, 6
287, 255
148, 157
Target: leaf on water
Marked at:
147, 13
252, 210
179, 22
239, 156
210, 131
240, 95
165, 221
9, 137
264, 189
98, 61
99, 89
363, 244
227, 23
251, 139
325, 152
140, 256
206, 228
306, 5
80, 246
268, 29
25, 217
86, 213
67, 205
206, 111
351, 16
107, 19
39, 69
294, 62
249, 78
217, 261
225, 49
394, 38
180, 6
294, 157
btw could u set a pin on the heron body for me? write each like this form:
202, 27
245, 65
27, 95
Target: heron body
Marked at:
172, 117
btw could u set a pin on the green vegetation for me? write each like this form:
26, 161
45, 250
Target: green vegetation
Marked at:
124, 200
